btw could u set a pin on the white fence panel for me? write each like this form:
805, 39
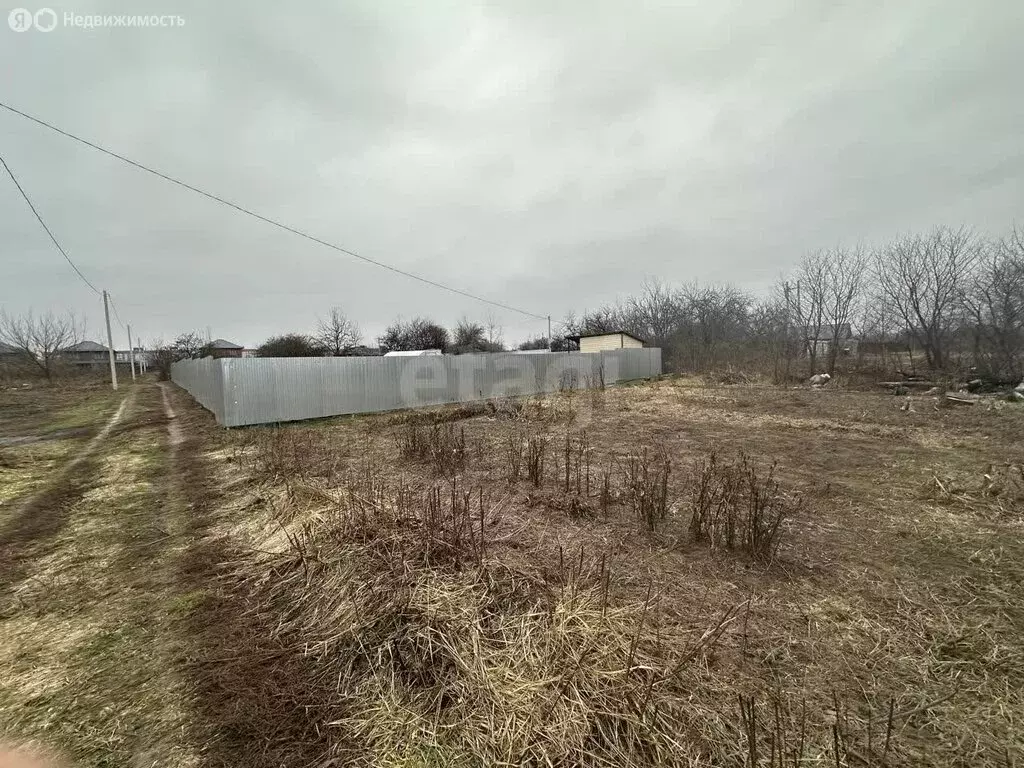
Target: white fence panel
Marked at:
268, 390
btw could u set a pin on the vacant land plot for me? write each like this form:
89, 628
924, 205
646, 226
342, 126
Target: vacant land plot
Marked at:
665, 574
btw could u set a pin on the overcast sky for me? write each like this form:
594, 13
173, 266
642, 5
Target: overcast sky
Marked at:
549, 155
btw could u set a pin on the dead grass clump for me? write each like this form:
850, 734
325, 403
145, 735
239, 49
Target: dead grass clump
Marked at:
441, 444
285, 454
513, 408
447, 414
736, 505
646, 474
574, 506
405, 525
999, 490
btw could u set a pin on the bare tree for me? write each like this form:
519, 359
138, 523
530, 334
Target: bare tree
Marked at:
995, 302
808, 303
924, 280
714, 319
190, 346
845, 270
337, 334
768, 333
40, 340
656, 313
468, 337
186, 346
418, 333
495, 333
290, 345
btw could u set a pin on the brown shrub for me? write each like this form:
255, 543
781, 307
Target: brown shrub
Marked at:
646, 474
735, 505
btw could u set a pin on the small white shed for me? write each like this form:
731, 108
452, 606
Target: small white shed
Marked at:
601, 342
412, 353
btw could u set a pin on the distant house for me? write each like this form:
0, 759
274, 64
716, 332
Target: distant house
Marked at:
412, 353
225, 348
819, 338
600, 342
86, 354
143, 358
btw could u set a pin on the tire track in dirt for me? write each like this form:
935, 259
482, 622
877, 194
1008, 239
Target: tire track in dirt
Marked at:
108, 580
40, 518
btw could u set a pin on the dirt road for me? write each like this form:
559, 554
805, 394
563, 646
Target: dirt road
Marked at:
97, 591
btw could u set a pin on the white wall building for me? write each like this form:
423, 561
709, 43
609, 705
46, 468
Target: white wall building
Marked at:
603, 342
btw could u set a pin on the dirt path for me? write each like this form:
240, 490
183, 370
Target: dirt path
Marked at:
95, 618
174, 431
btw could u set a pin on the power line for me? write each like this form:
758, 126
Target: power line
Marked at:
116, 315
59, 247
267, 219
43, 223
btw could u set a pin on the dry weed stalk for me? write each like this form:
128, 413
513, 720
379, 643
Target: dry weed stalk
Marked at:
646, 474
536, 448
606, 494
442, 444
576, 463
778, 733
736, 506
287, 454
514, 449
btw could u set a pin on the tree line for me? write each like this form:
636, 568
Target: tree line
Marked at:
949, 300
339, 336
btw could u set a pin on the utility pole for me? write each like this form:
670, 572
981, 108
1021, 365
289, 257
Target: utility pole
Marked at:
110, 342
131, 351
786, 347
550, 344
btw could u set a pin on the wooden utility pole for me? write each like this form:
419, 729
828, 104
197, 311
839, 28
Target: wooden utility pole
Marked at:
550, 342
110, 342
786, 345
131, 351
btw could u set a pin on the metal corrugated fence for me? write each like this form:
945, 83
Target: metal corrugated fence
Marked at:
267, 390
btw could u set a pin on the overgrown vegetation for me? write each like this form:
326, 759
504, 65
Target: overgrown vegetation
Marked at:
444, 445
736, 505
465, 625
673, 583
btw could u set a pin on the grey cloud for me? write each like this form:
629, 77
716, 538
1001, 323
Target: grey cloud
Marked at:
549, 155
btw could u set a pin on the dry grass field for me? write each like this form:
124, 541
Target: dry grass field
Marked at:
670, 573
